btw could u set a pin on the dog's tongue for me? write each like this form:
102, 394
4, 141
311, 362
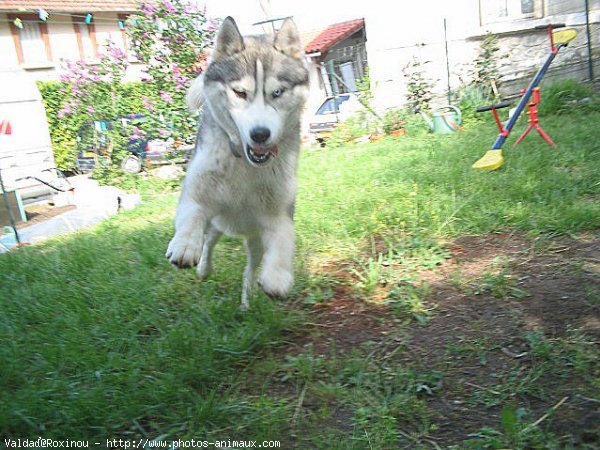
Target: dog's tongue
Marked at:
261, 150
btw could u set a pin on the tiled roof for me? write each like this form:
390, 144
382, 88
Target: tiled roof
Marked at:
69, 5
328, 37
306, 37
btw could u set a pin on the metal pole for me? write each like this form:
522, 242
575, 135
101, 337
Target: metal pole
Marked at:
589, 40
333, 83
11, 218
447, 62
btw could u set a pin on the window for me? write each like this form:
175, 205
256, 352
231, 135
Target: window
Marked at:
527, 7
31, 40
86, 39
32, 46
506, 10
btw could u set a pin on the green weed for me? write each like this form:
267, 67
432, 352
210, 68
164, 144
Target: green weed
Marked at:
516, 431
498, 281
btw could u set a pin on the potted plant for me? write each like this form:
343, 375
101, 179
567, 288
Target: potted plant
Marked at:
394, 122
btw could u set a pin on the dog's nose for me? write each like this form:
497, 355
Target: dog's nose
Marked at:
260, 134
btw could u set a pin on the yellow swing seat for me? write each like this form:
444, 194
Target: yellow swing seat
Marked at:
490, 161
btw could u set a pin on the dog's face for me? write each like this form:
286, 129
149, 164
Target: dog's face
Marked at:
261, 82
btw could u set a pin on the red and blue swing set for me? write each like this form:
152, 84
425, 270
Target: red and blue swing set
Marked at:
530, 97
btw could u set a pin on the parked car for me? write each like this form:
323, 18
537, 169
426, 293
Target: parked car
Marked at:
333, 110
93, 143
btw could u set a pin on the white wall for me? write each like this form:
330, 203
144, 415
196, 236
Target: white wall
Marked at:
393, 38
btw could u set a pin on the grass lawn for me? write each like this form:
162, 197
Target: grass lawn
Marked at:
435, 307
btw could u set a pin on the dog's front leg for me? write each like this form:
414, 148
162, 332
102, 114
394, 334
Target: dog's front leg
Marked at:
254, 250
185, 249
210, 239
277, 277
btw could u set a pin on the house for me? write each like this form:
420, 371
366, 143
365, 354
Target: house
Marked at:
446, 36
36, 35
339, 50
337, 57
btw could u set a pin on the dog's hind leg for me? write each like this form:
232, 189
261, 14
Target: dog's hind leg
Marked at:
210, 239
185, 248
276, 277
254, 250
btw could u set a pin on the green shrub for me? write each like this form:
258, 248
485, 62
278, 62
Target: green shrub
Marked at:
469, 98
394, 119
133, 182
565, 96
418, 85
404, 118
64, 127
415, 125
347, 131
364, 93
486, 67
169, 39
62, 132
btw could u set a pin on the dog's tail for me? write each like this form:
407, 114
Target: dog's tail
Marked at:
195, 95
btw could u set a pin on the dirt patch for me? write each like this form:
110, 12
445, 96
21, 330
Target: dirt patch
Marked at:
40, 212
498, 301
489, 334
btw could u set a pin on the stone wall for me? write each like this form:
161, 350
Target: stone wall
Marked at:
526, 52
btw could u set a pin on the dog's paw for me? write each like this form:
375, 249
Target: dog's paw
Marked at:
182, 253
204, 270
244, 306
276, 285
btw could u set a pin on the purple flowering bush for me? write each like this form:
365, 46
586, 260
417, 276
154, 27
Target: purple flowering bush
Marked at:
85, 93
169, 38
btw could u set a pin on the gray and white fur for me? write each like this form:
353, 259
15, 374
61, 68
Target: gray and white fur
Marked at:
242, 178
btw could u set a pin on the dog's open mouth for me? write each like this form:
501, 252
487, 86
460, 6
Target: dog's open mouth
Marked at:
261, 155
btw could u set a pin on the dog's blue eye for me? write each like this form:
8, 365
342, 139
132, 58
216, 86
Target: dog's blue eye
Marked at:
277, 93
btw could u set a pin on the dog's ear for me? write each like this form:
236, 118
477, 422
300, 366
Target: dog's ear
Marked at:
287, 40
229, 39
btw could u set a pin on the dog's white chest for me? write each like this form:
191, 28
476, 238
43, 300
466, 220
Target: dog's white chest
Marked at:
242, 199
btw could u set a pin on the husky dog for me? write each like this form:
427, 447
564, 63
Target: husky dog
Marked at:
242, 178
